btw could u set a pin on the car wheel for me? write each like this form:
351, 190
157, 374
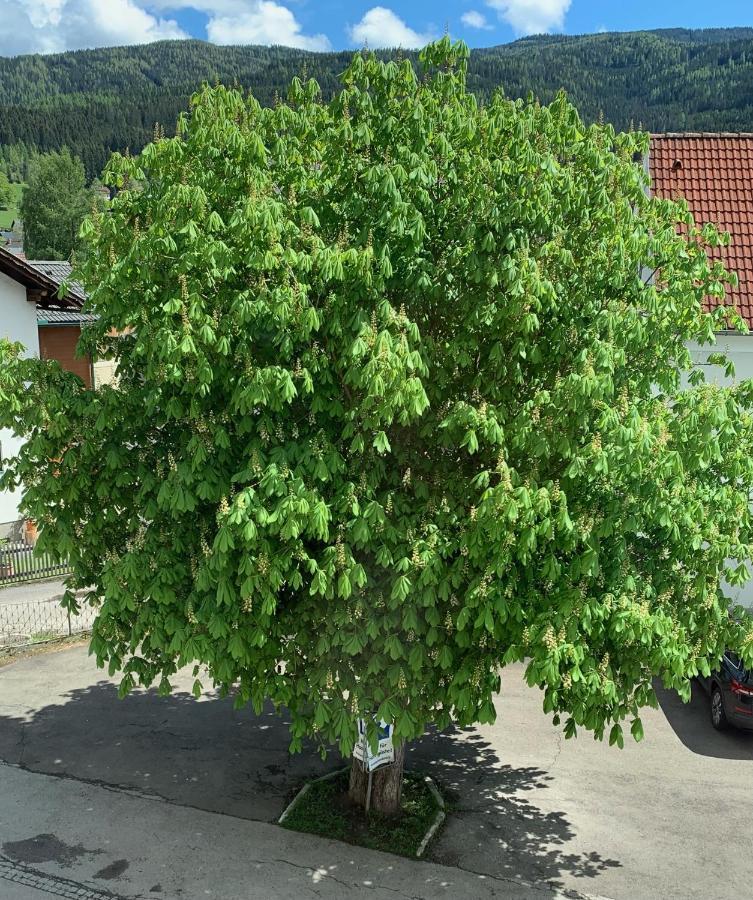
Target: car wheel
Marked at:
718, 715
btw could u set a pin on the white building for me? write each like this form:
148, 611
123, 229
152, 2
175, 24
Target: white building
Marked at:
32, 314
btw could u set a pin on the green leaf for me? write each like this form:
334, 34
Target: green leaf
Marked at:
401, 588
236, 646
615, 736
381, 443
344, 588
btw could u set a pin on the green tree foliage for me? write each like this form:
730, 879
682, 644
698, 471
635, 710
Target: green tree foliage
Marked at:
15, 160
96, 101
6, 192
53, 206
396, 408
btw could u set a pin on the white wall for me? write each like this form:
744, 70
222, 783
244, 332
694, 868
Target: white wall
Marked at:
18, 322
739, 349
104, 372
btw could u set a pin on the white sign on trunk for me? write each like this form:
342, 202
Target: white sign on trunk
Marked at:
385, 752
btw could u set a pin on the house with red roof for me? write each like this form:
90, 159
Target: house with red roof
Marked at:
713, 171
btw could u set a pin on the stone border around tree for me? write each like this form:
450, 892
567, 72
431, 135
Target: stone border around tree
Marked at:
305, 789
428, 781
438, 819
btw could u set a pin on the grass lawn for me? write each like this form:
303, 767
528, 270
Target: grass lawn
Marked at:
326, 810
8, 215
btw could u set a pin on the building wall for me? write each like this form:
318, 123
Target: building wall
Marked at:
18, 322
739, 348
104, 372
59, 342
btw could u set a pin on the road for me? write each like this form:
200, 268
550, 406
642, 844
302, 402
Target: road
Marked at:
33, 591
66, 838
182, 794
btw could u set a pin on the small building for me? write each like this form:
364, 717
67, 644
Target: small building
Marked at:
59, 324
33, 314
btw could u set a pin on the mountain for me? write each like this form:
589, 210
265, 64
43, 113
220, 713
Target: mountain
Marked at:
96, 101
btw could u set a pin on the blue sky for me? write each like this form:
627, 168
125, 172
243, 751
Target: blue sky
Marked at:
52, 25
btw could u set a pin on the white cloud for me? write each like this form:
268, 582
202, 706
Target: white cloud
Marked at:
49, 26
380, 27
248, 22
265, 23
475, 19
210, 7
532, 16
44, 12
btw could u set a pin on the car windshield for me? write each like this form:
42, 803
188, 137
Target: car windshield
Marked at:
742, 674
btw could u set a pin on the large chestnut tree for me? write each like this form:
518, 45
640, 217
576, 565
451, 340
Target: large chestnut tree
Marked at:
399, 402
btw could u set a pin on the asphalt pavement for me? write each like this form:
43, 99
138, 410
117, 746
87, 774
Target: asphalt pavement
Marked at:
66, 838
182, 794
50, 591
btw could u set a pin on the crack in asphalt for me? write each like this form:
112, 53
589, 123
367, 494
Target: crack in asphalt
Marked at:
553, 763
347, 884
21, 743
541, 886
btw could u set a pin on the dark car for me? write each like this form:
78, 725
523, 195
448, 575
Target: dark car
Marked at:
730, 688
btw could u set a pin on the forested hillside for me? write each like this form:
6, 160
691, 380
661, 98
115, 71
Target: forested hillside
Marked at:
96, 101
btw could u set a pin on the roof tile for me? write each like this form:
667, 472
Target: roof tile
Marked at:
64, 317
715, 175
58, 271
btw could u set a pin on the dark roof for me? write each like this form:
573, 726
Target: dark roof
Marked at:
713, 171
64, 317
59, 271
45, 283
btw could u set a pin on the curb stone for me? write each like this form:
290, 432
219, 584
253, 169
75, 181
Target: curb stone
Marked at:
305, 789
20, 873
438, 819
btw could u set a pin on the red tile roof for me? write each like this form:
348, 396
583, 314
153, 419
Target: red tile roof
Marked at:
714, 173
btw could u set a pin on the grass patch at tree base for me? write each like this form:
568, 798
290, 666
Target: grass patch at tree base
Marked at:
326, 810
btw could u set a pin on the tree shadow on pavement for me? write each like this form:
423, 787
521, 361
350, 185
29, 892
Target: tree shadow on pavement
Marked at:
200, 753
208, 755
691, 722
494, 827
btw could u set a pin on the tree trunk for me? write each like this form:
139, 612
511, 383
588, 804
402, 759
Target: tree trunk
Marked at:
386, 785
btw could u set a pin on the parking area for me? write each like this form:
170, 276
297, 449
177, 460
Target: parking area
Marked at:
666, 818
